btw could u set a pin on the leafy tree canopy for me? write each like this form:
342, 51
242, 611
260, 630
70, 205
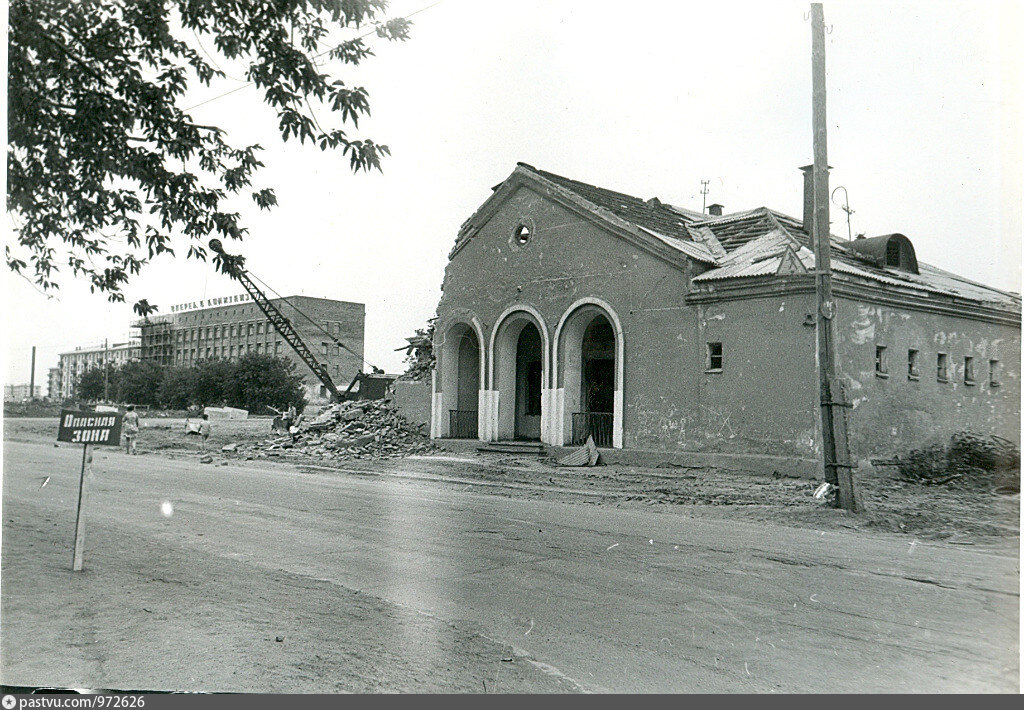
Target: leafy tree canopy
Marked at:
106, 169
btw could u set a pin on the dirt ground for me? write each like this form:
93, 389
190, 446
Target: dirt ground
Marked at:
959, 513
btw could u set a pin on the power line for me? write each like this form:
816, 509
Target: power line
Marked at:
315, 56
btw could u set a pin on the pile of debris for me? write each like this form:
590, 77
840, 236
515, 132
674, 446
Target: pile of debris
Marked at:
965, 457
354, 430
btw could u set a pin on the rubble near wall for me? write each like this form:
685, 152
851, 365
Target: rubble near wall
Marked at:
349, 430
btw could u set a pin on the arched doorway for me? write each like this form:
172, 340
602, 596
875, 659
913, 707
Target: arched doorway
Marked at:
589, 376
529, 369
519, 377
460, 369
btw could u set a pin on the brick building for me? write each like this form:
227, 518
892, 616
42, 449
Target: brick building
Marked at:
230, 327
569, 309
73, 363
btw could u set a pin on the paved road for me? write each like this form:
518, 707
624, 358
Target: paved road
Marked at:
616, 599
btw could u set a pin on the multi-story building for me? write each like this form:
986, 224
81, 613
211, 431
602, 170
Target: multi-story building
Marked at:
20, 393
231, 327
73, 363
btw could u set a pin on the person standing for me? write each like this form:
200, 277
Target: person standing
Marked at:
130, 427
204, 431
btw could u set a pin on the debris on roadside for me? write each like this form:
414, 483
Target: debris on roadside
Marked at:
587, 455
965, 457
348, 430
206, 459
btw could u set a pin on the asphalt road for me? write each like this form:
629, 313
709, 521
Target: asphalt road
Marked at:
596, 597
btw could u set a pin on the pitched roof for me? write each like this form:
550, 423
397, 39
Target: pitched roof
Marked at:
753, 243
652, 214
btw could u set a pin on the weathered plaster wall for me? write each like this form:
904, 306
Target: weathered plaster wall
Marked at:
896, 413
765, 399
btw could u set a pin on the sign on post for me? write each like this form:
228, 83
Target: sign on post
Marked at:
87, 428
90, 427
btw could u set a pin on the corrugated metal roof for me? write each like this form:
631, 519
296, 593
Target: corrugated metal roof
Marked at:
691, 249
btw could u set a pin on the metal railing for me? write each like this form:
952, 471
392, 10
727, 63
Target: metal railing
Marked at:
462, 424
596, 424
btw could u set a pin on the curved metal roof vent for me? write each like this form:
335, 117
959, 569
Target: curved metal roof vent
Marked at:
890, 250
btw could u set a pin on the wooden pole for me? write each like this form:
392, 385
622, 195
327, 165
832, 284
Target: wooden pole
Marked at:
76, 564
835, 447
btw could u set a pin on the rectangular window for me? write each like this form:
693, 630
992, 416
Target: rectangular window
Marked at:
713, 361
259, 329
277, 347
968, 370
232, 351
913, 373
216, 331
881, 361
259, 347
326, 347
232, 331
942, 367
993, 373
249, 330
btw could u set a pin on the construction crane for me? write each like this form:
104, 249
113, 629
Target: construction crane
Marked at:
234, 267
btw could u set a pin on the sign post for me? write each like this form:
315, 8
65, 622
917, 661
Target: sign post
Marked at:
87, 428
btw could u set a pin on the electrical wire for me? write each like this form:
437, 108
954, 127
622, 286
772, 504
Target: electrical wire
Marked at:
315, 56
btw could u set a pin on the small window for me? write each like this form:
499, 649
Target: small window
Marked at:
326, 347
881, 361
913, 373
522, 234
323, 390
993, 373
259, 329
713, 362
942, 367
968, 370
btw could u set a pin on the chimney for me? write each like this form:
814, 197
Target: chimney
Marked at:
809, 197
715, 210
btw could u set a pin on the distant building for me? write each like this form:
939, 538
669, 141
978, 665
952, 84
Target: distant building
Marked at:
73, 363
228, 328
53, 383
20, 393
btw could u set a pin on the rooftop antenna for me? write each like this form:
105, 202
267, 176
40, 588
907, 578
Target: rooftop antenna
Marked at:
704, 191
845, 207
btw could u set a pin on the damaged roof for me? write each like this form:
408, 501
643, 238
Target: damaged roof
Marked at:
758, 243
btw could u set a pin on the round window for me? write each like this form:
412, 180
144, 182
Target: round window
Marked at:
522, 234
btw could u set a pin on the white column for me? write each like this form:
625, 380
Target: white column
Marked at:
617, 421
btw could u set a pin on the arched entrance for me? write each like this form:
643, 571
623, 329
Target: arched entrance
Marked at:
589, 376
460, 369
519, 377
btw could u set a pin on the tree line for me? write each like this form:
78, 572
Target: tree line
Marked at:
251, 382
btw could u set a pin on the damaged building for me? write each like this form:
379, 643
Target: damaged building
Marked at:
571, 310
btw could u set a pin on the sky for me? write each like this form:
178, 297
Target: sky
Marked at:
646, 98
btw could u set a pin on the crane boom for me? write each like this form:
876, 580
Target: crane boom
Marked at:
233, 267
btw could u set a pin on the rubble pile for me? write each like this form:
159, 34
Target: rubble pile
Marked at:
965, 456
364, 429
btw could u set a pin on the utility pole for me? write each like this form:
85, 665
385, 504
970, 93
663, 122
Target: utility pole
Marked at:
32, 377
704, 191
106, 369
835, 446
